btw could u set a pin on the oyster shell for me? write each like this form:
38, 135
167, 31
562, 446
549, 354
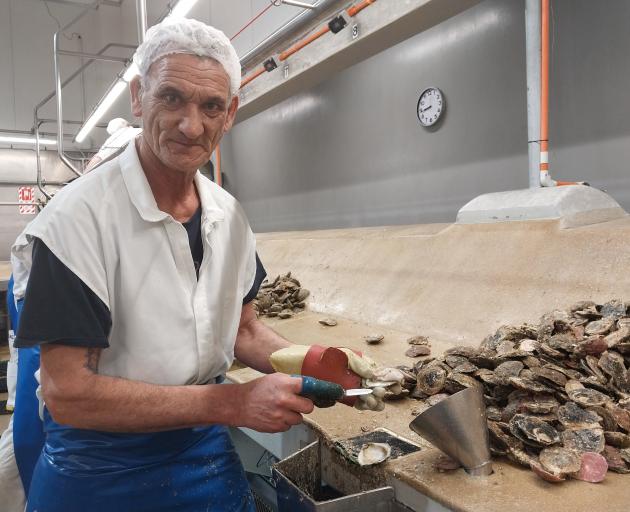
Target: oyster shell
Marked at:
617, 439
373, 453
584, 440
506, 370
602, 326
587, 397
418, 340
373, 339
418, 351
431, 380
330, 322
533, 431
559, 461
615, 460
573, 416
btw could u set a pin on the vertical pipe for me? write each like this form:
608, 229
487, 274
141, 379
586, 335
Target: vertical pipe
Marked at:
218, 179
544, 95
141, 16
60, 150
532, 47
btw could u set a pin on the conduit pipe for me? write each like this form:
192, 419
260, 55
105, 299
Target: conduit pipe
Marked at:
351, 11
304, 42
286, 31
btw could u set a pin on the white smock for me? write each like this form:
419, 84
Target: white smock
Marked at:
168, 327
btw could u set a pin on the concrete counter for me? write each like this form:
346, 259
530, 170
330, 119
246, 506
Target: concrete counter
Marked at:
511, 488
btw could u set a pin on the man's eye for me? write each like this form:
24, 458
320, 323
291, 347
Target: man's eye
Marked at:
212, 107
171, 99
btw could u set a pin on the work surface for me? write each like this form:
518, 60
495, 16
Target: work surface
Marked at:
509, 489
454, 284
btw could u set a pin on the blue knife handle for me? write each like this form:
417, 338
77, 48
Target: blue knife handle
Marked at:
320, 390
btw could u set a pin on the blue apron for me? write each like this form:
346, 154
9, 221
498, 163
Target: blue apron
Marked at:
180, 470
28, 430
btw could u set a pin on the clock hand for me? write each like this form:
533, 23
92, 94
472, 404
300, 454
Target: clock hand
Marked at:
426, 108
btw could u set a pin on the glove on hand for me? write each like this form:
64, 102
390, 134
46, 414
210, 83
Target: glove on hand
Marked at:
341, 365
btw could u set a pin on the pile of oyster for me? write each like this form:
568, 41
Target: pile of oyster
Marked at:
557, 394
282, 297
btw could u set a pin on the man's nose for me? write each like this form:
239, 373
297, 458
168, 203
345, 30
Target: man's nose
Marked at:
191, 123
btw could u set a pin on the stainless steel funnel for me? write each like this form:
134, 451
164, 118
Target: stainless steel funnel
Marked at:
457, 426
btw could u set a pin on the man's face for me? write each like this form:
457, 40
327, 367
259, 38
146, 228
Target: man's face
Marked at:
185, 108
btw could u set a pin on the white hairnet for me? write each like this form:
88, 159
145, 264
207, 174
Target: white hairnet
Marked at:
116, 124
185, 35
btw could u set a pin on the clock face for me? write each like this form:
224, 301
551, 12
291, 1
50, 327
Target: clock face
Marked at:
430, 106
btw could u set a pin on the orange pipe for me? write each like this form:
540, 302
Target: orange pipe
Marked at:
304, 42
252, 77
544, 87
355, 9
217, 171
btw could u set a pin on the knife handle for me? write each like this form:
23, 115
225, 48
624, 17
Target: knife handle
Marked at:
320, 390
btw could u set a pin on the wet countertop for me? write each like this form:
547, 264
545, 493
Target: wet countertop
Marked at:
511, 488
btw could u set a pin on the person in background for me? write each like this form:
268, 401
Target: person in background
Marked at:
120, 133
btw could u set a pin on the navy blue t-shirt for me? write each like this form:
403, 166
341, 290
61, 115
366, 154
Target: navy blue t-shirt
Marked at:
60, 308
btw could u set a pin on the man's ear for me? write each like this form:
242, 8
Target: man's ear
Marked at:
229, 120
135, 88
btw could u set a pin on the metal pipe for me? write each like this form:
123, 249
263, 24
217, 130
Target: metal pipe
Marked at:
288, 30
141, 17
532, 49
111, 3
67, 121
545, 178
40, 183
294, 3
29, 183
30, 132
60, 152
80, 70
93, 56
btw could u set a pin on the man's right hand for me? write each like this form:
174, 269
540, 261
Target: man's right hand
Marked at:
272, 403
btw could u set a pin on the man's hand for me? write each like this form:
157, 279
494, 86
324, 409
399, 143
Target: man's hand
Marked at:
340, 365
272, 403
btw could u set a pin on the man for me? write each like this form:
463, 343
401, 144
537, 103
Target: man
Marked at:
139, 296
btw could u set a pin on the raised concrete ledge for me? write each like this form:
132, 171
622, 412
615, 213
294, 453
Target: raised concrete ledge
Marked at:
574, 205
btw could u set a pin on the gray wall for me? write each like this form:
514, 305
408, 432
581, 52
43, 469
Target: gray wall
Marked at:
350, 151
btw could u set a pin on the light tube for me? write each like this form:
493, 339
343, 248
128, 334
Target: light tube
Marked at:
27, 140
130, 72
103, 107
182, 8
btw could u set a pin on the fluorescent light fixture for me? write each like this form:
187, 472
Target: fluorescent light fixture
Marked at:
103, 107
130, 72
182, 8
26, 140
